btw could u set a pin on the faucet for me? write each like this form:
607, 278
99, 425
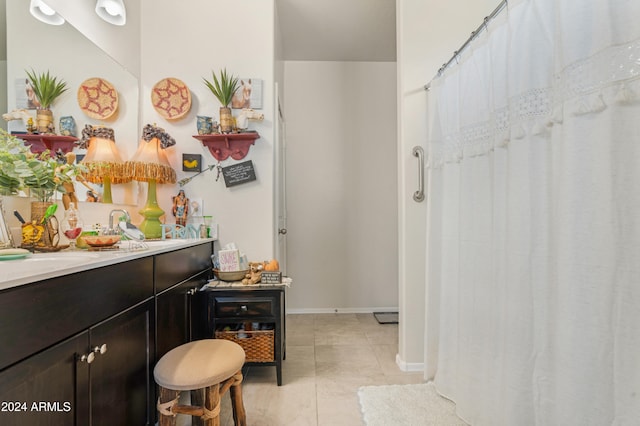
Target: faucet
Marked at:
111, 230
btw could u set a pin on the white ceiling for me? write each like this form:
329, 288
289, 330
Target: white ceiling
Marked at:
338, 30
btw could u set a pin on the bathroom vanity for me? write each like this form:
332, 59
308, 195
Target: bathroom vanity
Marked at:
79, 337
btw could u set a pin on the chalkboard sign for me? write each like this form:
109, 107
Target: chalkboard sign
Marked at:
271, 277
239, 173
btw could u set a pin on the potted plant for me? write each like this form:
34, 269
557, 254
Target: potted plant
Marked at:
223, 89
46, 89
10, 147
41, 174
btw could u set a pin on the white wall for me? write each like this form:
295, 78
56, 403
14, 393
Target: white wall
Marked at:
427, 35
188, 42
341, 185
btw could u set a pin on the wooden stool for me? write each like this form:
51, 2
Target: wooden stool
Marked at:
211, 364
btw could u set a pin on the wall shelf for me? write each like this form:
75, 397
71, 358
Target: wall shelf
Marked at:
234, 145
41, 142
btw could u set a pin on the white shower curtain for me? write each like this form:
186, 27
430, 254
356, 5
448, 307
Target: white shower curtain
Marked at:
533, 269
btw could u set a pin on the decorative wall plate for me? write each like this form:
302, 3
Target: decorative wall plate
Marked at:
171, 98
97, 98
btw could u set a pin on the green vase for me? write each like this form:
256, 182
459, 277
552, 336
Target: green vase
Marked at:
151, 226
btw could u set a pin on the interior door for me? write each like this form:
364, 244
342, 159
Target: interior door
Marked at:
281, 185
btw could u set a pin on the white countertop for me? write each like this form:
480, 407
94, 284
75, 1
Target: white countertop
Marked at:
43, 266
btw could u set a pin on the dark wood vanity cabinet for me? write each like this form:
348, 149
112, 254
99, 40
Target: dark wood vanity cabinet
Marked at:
119, 378
53, 376
97, 377
84, 342
178, 276
175, 311
80, 349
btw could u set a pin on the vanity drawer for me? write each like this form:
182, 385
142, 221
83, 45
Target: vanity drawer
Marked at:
232, 307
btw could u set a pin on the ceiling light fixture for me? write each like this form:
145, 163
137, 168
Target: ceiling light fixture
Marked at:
42, 12
112, 11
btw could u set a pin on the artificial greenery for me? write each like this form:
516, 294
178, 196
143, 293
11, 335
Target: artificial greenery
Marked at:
46, 87
41, 173
10, 148
224, 87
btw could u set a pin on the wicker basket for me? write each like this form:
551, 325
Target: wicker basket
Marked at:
258, 345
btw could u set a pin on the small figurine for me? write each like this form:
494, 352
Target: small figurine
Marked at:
31, 128
92, 197
67, 168
242, 121
181, 208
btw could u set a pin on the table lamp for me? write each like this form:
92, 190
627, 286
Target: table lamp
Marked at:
150, 164
103, 161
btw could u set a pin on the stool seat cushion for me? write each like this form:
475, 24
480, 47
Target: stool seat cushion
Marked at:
199, 364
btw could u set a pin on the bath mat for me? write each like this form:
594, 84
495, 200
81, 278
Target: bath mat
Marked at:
406, 405
386, 317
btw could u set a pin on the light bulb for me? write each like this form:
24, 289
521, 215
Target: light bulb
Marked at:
46, 9
112, 9
44, 13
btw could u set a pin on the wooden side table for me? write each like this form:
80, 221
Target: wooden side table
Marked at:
223, 309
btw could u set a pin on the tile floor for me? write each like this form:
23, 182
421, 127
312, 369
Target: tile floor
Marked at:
329, 356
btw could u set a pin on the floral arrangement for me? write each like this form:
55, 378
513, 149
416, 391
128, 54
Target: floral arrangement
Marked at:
42, 174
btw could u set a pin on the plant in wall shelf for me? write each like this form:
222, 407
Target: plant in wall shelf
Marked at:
223, 89
42, 174
46, 89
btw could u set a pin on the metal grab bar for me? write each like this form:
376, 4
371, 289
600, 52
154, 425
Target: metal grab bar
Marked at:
418, 196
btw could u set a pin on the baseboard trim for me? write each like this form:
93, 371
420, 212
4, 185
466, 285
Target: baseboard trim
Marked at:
409, 366
341, 310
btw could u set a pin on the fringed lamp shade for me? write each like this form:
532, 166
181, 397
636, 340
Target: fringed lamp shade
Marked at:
150, 164
103, 161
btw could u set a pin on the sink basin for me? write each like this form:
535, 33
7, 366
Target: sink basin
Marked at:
58, 260
45, 263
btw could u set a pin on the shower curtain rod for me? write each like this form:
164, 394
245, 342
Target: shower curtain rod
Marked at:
473, 35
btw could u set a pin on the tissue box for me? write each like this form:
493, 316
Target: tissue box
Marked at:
229, 260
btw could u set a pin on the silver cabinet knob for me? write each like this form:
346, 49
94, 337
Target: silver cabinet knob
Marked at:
88, 358
282, 231
191, 292
100, 349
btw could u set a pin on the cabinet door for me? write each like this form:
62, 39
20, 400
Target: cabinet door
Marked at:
174, 315
120, 377
48, 389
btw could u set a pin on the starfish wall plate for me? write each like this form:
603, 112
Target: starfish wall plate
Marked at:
171, 98
97, 98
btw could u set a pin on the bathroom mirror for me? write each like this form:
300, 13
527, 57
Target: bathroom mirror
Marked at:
6, 240
3, 60
68, 54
